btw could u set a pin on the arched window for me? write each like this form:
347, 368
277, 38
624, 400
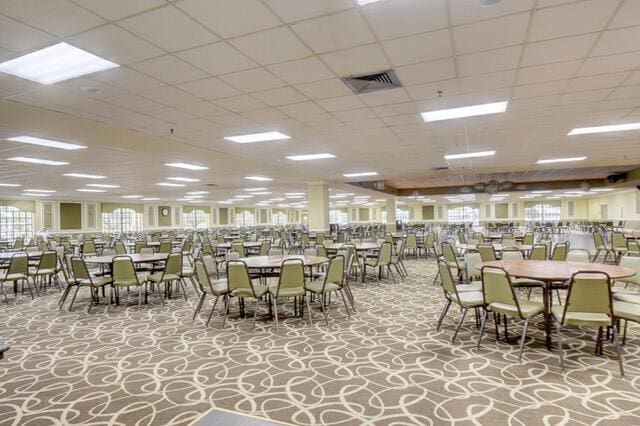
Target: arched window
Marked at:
196, 219
463, 214
15, 223
121, 220
278, 217
245, 217
542, 212
339, 216
402, 214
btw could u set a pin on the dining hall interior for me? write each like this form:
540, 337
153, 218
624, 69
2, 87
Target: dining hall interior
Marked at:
319, 212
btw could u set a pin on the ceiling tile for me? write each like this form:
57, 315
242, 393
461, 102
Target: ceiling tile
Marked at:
272, 46
301, 109
58, 17
633, 79
426, 72
168, 95
19, 37
357, 60
491, 34
324, 89
240, 103
354, 114
152, 26
341, 103
80, 86
280, 96
493, 60
264, 115
115, 44
556, 71
597, 81
138, 119
617, 41
103, 109
209, 88
625, 92
169, 69
487, 81
172, 115
401, 18
253, 80
464, 11
385, 97
627, 15
571, 19
231, 18
411, 50
117, 9
134, 102
557, 50
218, 58
610, 64
302, 70
539, 89
202, 109
296, 10
318, 120
334, 32
581, 97
430, 90
127, 79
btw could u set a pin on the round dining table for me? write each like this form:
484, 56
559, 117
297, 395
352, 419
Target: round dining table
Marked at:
247, 245
135, 258
274, 262
550, 271
6, 256
359, 246
496, 247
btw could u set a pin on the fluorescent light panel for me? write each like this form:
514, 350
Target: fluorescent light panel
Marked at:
604, 129
36, 194
55, 63
102, 185
469, 111
310, 157
254, 189
131, 196
186, 166
259, 178
469, 155
90, 190
258, 137
82, 175
170, 184
45, 142
360, 174
197, 192
561, 160
150, 199
602, 189
44, 191
38, 161
10, 184
183, 179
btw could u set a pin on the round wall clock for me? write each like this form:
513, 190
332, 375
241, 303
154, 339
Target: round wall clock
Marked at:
164, 212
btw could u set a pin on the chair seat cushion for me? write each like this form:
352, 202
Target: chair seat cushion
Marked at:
581, 319
472, 286
142, 277
12, 277
371, 262
36, 272
286, 292
526, 282
528, 308
187, 271
316, 287
260, 290
626, 310
160, 276
627, 297
219, 287
470, 299
96, 281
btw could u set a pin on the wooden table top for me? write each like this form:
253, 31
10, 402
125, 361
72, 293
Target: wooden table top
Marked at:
496, 247
136, 258
359, 246
6, 255
554, 270
272, 262
151, 243
632, 236
248, 244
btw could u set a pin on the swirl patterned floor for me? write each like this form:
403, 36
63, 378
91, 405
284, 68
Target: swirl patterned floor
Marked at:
385, 366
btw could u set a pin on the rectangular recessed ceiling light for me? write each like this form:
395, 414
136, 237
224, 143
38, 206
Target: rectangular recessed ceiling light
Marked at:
470, 111
561, 160
170, 184
189, 197
243, 196
150, 199
594, 189
10, 184
277, 199
131, 196
310, 157
542, 192
259, 178
469, 155
102, 185
82, 175
258, 137
360, 174
261, 193
35, 194
363, 2
44, 191
90, 190
295, 196
197, 192
38, 161
604, 129
186, 166
294, 193
55, 63
254, 189
45, 142
183, 179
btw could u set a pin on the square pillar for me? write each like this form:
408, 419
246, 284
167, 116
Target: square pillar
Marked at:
391, 214
318, 194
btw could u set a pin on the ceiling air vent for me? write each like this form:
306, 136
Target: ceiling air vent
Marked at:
373, 82
210, 184
440, 169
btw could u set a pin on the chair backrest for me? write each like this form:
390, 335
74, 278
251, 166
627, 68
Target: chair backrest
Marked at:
560, 251
496, 287
310, 251
265, 246
448, 252
291, 275
173, 264
119, 247
89, 248
384, 254
231, 255
348, 259
412, 242
631, 262
479, 237
275, 252
462, 237
471, 259
487, 252
123, 269
321, 250
18, 243
511, 255
19, 263
146, 250
538, 252
186, 246
210, 263
430, 240
304, 238
618, 240
589, 292
320, 238
139, 246
79, 268
598, 241
165, 247
207, 249
528, 239
448, 285
335, 271
238, 248
48, 260
238, 276
579, 255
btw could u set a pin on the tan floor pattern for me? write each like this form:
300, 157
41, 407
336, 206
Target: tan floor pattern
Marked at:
385, 366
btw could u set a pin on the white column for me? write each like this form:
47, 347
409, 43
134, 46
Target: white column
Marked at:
318, 194
391, 214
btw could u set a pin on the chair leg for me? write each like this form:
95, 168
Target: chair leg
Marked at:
227, 303
4, 292
455, 334
30, 289
140, 291
213, 308
560, 354
275, 311
255, 315
73, 299
344, 300
522, 339
617, 347
443, 313
482, 324
110, 298
90, 300
199, 306
324, 312
157, 289
306, 299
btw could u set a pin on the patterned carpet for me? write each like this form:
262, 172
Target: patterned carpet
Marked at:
385, 366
